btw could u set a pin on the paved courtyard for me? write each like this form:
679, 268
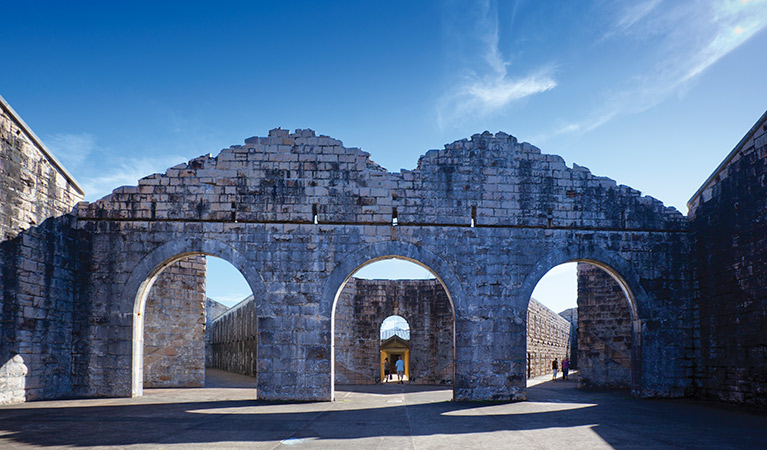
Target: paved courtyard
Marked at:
393, 416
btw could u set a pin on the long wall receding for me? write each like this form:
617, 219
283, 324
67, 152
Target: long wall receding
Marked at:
548, 336
233, 339
729, 224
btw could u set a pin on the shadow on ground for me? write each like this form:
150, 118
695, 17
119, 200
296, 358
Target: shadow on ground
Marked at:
402, 416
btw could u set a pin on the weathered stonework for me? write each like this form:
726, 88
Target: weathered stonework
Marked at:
13, 375
729, 223
34, 186
571, 315
256, 206
298, 213
361, 309
548, 337
213, 310
233, 338
174, 326
604, 330
40, 260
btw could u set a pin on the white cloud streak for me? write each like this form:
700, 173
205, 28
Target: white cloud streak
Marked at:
691, 37
80, 154
72, 149
126, 172
488, 86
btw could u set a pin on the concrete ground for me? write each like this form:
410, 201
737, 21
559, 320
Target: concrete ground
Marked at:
391, 416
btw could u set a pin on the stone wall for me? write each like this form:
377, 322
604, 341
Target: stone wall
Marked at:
41, 258
297, 213
729, 216
34, 186
548, 337
604, 330
571, 315
361, 309
233, 339
213, 310
174, 326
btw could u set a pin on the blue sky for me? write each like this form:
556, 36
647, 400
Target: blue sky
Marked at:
651, 93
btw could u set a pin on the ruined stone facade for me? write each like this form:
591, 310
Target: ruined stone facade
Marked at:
361, 309
174, 326
298, 213
256, 206
39, 263
729, 224
604, 330
548, 337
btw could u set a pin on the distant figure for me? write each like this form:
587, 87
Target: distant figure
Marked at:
387, 369
565, 367
400, 369
554, 367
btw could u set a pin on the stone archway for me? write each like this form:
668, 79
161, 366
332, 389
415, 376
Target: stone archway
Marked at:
138, 286
387, 250
620, 270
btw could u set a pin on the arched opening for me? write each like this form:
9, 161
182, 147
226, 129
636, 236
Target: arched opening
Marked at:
583, 312
181, 335
383, 287
394, 347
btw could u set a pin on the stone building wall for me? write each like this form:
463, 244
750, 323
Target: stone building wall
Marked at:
213, 310
571, 315
297, 213
604, 330
41, 258
233, 339
174, 327
34, 186
361, 309
548, 337
729, 224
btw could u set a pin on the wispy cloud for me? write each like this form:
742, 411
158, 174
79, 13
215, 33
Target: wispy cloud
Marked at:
488, 85
633, 15
689, 37
97, 168
125, 172
72, 149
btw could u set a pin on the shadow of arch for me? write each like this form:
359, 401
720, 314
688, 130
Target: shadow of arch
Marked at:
145, 273
378, 252
620, 270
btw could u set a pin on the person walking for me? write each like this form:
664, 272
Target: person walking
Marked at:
554, 367
400, 369
387, 369
565, 367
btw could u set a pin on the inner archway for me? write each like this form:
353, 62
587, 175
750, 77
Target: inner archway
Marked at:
395, 346
377, 290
